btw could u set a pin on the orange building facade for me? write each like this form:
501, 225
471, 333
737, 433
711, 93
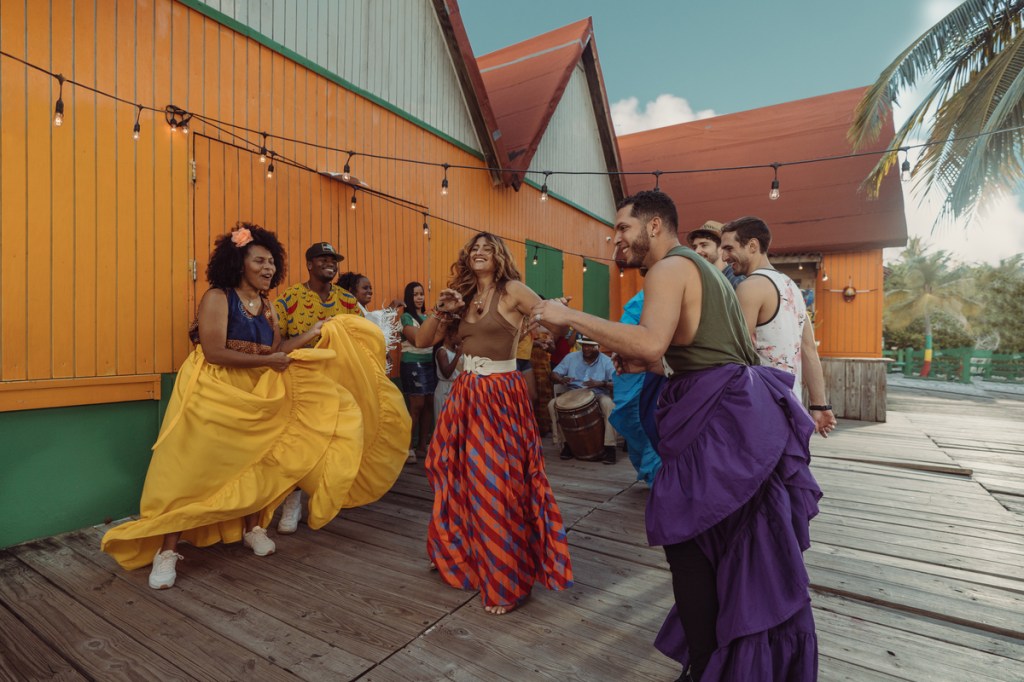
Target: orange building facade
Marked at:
104, 239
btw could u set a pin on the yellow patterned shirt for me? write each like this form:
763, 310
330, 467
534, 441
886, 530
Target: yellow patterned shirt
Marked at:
299, 308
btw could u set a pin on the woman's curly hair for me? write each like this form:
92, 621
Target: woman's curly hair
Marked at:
349, 280
228, 260
464, 281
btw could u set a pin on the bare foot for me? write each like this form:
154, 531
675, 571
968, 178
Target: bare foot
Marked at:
498, 610
502, 609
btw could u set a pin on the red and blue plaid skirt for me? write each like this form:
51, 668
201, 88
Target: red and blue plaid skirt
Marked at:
495, 526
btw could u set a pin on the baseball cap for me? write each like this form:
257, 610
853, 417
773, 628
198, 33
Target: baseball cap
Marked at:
712, 229
323, 249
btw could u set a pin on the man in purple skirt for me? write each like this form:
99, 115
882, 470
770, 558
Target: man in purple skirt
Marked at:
734, 496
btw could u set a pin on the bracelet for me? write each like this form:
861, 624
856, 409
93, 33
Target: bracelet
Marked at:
819, 408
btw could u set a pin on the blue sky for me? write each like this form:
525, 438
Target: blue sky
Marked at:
668, 61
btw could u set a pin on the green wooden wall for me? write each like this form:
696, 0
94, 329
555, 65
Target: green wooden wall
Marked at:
546, 276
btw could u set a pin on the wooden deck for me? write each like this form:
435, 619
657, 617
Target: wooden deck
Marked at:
918, 574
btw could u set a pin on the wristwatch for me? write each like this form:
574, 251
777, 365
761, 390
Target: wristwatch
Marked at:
819, 408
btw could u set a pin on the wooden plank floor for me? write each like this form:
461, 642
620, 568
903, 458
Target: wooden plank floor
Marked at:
917, 572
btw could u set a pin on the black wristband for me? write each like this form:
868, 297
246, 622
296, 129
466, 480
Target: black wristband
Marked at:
819, 408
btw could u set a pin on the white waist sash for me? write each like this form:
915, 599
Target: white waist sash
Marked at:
485, 366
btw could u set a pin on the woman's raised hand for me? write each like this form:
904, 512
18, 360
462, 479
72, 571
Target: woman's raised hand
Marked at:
450, 301
278, 361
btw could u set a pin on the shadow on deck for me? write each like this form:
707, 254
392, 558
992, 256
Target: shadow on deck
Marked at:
918, 574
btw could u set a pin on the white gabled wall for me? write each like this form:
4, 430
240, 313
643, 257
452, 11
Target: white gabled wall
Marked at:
392, 49
572, 142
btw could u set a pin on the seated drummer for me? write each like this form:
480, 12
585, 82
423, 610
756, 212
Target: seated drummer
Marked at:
586, 369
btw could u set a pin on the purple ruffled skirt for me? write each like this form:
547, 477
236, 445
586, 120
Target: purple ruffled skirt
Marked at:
735, 478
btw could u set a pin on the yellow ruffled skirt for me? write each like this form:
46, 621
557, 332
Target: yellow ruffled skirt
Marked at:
237, 441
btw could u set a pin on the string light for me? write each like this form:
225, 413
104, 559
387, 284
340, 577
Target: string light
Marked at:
58, 109
905, 168
622, 273
352, 204
544, 187
444, 182
346, 172
824, 275
270, 168
657, 181
263, 149
426, 228
177, 118
773, 194
137, 128
535, 249
584, 265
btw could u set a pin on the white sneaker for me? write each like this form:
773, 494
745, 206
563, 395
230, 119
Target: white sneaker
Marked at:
411, 459
291, 510
257, 540
163, 574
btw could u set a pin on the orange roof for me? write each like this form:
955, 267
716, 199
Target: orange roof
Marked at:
821, 207
526, 81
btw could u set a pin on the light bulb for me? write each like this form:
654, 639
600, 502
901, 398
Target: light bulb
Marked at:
622, 273
584, 267
346, 174
353, 204
270, 170
135, 132
544, 192
263, 154
535, 260
905, 171
184, 129
426, 228
444, 187
774, 193
58, 113
824, 277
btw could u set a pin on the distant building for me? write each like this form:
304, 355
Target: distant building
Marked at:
823, 224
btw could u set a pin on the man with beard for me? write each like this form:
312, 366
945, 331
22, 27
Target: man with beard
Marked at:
734, 496
301, 306
776, 315
705, 240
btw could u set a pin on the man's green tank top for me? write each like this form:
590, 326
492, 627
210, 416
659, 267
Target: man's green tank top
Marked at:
722, 337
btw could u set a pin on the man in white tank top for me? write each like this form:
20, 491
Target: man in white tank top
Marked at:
776, 314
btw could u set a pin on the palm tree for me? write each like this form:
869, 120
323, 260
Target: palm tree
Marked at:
974, 60
925, 284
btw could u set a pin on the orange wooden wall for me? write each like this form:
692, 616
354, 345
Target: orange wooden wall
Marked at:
97, 231
851, 329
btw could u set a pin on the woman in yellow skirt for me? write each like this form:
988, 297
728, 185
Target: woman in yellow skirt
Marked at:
252, 417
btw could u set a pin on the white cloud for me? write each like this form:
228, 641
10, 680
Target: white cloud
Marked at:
934, 10
664, 110
996, 233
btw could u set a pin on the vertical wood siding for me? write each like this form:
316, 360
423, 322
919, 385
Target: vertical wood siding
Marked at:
98, 230
392, 49
851, 329
572, 141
